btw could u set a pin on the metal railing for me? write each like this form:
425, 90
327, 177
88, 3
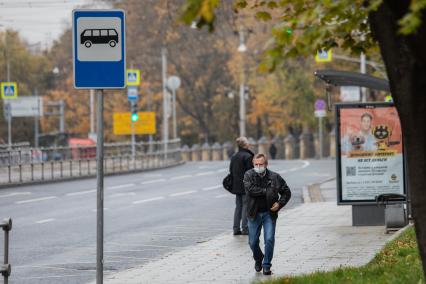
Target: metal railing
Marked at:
5, 268
26, 165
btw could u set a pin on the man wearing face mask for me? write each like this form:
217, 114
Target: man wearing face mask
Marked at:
267, 193
240, 163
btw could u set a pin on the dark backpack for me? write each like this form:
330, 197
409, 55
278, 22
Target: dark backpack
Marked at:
227, 183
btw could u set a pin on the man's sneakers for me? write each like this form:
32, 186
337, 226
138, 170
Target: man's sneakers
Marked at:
237, 233
258, 266
244, 232
267, 271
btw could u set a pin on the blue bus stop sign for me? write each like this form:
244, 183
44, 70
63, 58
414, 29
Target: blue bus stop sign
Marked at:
99, 49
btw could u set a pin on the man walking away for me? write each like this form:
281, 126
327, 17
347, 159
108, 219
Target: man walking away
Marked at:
267, 193
241, 161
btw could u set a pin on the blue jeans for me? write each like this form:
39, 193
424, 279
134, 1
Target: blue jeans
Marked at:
255, 226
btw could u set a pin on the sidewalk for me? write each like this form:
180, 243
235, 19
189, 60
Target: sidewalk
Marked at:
314, 236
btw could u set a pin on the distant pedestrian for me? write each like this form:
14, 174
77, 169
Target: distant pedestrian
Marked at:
273, 151
267, 193
241, 161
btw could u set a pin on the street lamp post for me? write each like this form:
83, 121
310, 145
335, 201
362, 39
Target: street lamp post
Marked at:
242, 48
173, 83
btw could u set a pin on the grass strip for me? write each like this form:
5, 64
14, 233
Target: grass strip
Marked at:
397, 262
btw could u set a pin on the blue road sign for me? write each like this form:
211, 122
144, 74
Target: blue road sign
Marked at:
99, 49
9, 90
132, 93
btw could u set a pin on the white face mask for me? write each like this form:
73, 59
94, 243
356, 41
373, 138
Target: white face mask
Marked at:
259, 170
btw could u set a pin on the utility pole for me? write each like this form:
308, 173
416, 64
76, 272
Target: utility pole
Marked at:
62, 116
242, 48
165, 100
36, 120
9, 116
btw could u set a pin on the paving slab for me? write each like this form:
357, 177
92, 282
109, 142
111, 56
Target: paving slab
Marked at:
312, 237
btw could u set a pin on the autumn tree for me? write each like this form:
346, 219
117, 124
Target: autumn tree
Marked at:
32, 72
395, 26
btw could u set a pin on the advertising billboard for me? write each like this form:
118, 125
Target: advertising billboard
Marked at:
370, 158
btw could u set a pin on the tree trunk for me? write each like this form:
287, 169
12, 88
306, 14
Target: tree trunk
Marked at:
404, 57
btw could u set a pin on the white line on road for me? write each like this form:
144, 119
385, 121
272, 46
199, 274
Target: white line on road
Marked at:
121, 186
182, 193
204, 173
148, 200
223, 195
15, 194
45, 221
180, 177
81, 192
153, 175
211, 187
35, 200
153, 181
105, 209
122, 194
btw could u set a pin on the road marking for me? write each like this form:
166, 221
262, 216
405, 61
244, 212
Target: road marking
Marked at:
81, 192
121, 186
211, 187
205, 173
153, 181
153, 175
223, 195
148, 200
15, 194
35, 200
105, 209
122, 194
180, 177
45, 221
305, 164
182, 193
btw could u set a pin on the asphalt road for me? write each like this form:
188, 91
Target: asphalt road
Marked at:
53, 239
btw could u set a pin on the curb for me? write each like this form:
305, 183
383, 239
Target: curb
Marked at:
314, 189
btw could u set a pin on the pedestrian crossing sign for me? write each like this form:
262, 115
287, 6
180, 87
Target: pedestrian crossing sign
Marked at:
9, 90
133, 77
323, 55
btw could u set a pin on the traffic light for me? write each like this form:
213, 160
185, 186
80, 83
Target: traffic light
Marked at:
134, 115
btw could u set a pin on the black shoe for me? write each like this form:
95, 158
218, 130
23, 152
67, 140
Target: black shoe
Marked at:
244, 233
237, 233
258, 266
267, 271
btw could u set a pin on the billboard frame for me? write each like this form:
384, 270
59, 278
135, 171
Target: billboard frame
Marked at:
367, 105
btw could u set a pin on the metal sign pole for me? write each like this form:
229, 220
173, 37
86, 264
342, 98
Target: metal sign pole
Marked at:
133, 132
320, 138
100, 186
9, 127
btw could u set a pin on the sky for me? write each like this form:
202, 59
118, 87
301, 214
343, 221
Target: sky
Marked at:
40, 22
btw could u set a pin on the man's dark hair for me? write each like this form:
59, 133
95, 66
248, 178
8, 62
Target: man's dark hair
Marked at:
366, 114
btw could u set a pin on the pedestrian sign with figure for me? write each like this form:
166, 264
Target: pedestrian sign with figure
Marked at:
323, 55
99, 49
133, 77
9, 90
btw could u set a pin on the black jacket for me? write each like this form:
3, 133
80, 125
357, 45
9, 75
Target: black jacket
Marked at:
241, 162
272, 185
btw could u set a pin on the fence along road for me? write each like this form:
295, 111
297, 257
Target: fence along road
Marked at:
29, 165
